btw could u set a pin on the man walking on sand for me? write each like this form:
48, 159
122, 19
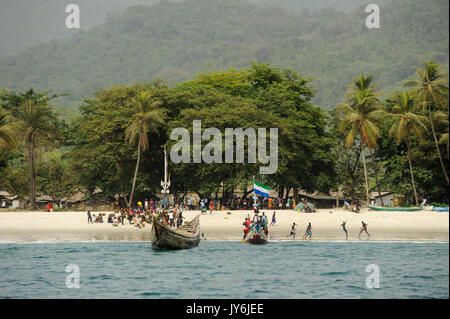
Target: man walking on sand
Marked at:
89, 217
308, 232
345, 229
363, 229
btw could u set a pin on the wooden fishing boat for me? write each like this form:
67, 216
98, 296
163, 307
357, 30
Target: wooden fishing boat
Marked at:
256, 236
395, 209
165, 237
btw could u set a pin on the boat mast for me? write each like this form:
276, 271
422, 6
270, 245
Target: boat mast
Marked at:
254, 194
166, 183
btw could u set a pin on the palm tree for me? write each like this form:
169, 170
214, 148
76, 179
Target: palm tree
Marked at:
363, 116
36, 121
432, 90
406, 121
444, 139
146, 114
7, 139
441, 118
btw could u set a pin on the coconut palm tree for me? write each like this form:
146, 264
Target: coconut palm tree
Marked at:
444, 139
146, 117
363, 116
431, 89
441, 118
405, 123
7, 139
36, 122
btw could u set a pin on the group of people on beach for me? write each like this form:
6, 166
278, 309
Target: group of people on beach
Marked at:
363, 229
249, 223
140, 216
307, 234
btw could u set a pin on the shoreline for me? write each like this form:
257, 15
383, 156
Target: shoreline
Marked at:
71, 227
37, 242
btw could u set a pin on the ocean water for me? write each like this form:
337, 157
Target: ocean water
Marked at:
225, 269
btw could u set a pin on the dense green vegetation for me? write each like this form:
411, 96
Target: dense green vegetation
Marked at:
123, 86
144, 114
116, 142
175, 41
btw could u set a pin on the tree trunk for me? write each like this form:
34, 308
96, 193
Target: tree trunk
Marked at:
281, 192
365, 172
437, 144
135, 175
126, 201
32, 173
288, 190
408, 143
337, 196
296, 196
376, 176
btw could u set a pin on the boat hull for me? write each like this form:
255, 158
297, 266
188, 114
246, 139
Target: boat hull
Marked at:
395, 209
163, 237
256, 236
257, 240
440, 209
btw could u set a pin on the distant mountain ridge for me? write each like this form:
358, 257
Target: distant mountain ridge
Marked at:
177, 40
24, 23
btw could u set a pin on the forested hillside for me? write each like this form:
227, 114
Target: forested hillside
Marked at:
25, 23
176, 40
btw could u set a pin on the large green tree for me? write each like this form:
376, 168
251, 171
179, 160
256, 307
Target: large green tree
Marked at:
431, 89
146, 117
405, 123
363, 116
37, 124
99, 153
7, 139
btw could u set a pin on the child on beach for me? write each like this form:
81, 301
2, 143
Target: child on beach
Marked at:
292, 231
274, 220
363, 229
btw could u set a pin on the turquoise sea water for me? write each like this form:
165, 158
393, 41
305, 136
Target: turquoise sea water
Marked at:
225, 270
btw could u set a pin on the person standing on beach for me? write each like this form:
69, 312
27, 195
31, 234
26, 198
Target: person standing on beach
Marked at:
89, 217
264, 220
180, 219
363, 229
345, 229
308, 232
274, 220
211, 207
292, 231
171, 219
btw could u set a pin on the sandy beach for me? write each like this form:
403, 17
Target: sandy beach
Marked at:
385, 226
